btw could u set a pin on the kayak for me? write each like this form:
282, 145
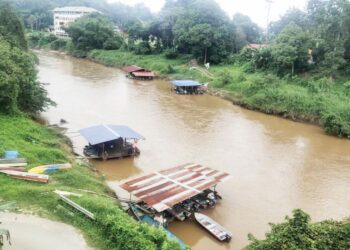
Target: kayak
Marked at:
47, 169
213, 227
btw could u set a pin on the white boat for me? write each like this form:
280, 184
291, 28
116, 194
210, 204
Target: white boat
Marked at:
213, 227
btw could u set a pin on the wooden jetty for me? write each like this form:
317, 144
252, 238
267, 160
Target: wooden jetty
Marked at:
213, 227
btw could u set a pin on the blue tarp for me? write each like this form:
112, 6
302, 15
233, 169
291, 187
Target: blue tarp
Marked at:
186, 83
104, 133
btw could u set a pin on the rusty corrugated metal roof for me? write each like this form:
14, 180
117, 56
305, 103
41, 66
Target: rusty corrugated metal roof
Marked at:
132, 68
143, 73
164, 189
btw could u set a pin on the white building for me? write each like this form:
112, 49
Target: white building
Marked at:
64, 16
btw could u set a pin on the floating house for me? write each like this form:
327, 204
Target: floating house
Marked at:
110, 141
136, 72
176, 193
188, 87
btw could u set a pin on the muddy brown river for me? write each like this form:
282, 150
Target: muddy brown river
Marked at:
276, 165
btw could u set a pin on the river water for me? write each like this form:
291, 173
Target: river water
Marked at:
276, 165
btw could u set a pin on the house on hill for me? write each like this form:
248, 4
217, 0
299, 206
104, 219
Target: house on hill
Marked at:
65, 15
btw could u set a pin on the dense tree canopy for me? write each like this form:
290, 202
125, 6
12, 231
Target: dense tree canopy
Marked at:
93, 31
298, 233
19, 87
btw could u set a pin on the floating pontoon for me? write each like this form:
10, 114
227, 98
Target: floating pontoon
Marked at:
177, 192
188, 87
136, 72
110, 141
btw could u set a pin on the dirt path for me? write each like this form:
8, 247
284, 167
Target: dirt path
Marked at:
30, 232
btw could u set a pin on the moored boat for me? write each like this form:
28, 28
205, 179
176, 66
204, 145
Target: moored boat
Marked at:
213, 227
143, 217
47, 169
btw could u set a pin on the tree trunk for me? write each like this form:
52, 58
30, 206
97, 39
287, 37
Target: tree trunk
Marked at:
292, 68
205, 55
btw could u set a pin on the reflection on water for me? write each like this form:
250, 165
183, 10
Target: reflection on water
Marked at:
277, 165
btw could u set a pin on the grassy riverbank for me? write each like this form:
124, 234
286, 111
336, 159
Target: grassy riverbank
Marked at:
113, 229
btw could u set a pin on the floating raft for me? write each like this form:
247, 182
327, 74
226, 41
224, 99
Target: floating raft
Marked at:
19, 162
164, 189
213, 227
47, 169
26, 176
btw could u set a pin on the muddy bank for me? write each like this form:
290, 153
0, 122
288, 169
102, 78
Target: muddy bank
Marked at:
29, 232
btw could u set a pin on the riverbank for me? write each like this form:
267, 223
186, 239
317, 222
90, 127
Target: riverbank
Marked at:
112, 229
323, 102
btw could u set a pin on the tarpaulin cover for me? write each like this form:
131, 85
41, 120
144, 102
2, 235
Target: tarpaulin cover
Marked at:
104, 133
186, 83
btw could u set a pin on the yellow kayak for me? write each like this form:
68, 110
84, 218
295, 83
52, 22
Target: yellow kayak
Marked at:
46, 169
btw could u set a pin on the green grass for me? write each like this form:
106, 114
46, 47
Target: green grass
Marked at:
113, 229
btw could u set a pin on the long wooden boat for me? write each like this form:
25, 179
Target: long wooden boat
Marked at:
20, 169
26, 176
19, 162
141, 216
213, 227
51, 168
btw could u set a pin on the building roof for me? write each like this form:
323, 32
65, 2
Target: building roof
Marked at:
186, 83
163, 189
256, 46
104, 133
143, 74
132, 68
75, 9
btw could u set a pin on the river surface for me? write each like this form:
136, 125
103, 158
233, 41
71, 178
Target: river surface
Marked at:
276, 165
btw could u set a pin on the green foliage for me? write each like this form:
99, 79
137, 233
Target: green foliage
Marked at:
19, 87
171, 53
93, 31
11, 28
297, 233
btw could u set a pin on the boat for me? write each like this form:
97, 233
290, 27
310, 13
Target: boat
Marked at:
110, 141
143, 217
18, 162
47, 169
213, 227
26, 176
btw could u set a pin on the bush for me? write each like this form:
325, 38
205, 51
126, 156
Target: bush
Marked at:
59, 44
171, 53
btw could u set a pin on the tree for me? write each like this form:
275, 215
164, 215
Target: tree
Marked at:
290, 50
93, 31
246, 30
203, 30
298, 234
11, 27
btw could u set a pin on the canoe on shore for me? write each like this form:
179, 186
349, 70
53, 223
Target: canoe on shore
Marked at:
13, 162
51, 168
213, 227
26, 176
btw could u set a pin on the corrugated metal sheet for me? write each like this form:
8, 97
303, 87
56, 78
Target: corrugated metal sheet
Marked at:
143, 74
132, 68
164, 189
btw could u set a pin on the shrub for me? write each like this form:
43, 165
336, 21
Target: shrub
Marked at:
171, 53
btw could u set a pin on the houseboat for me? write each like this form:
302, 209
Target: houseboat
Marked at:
188, 87
176, 193
110, 141
138, 73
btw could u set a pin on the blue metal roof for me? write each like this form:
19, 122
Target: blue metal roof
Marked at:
104, 133
186, 83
